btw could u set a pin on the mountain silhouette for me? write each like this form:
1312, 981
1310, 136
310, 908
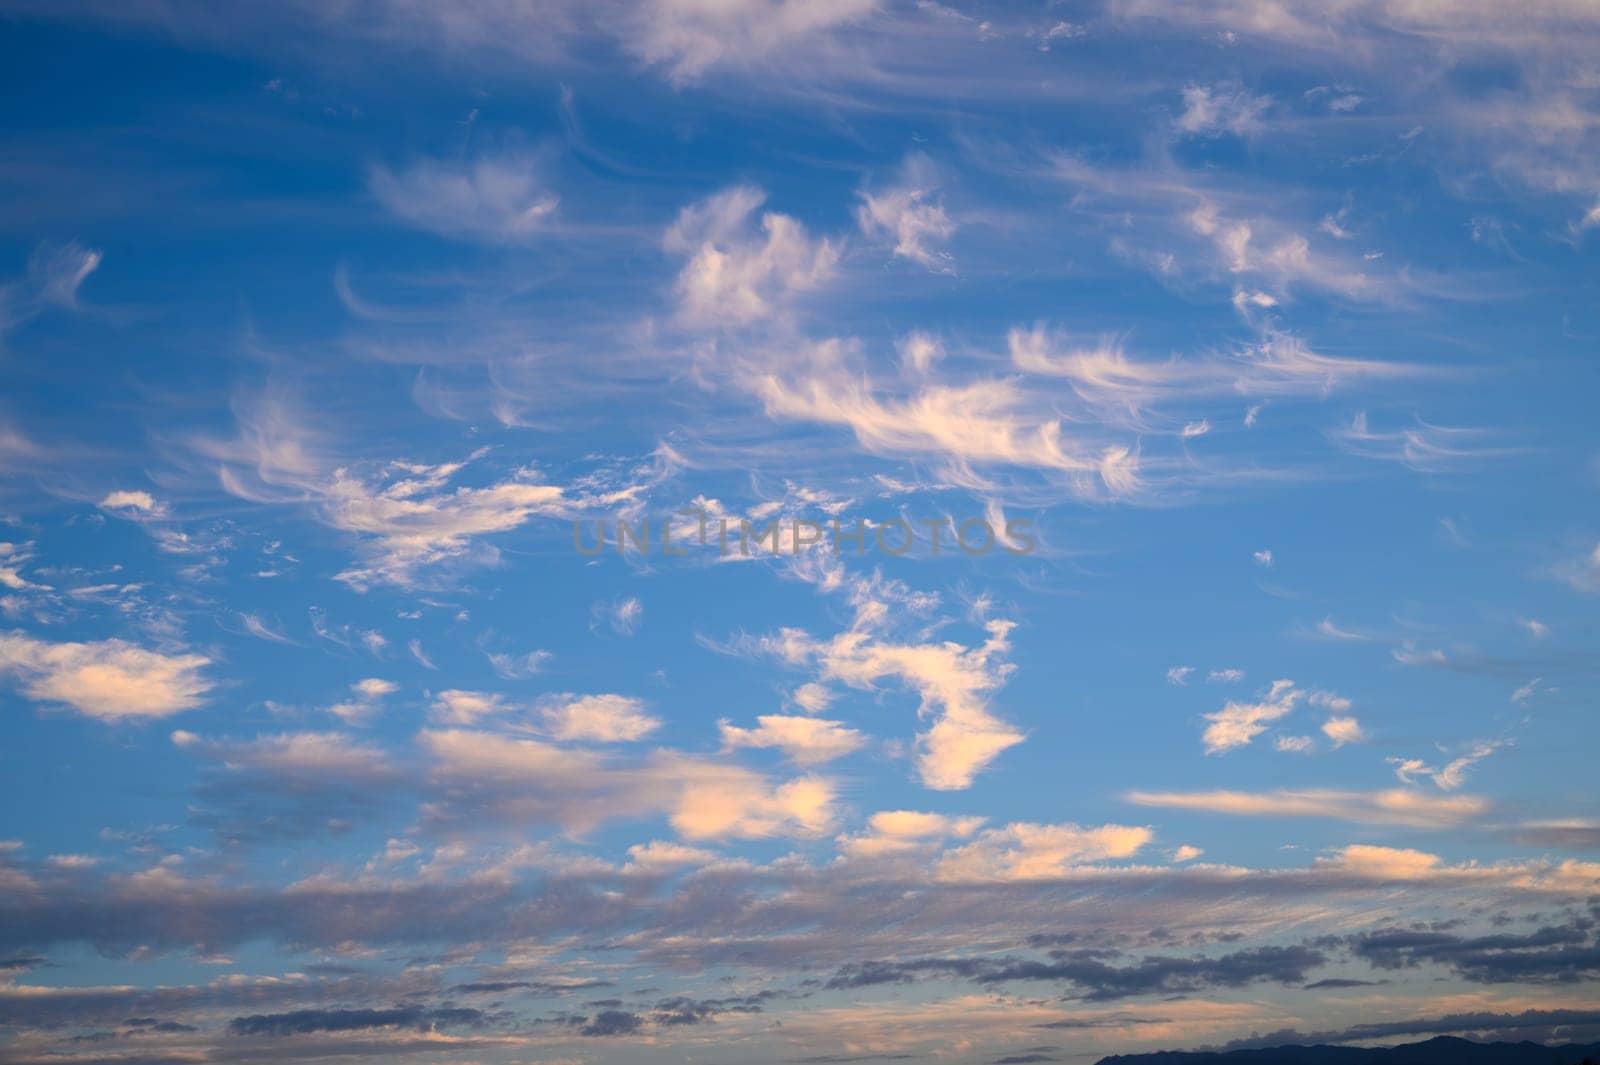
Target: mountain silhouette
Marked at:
1443, 1050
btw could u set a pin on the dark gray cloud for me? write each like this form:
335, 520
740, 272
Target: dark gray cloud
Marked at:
155, 1024
1558, 953
611, 1022
1097, 979
304, 1022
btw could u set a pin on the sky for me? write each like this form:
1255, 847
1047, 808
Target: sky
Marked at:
1129, 479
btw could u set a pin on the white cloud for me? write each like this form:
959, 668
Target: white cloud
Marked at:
1327, 700
597, 718
111, 680
510, 666
530, 781
908, 214
498, 200
1422, 447
1179, 675
602, 718
894, 832
1382, 863
1225, 676
1453, 773
1186, 853
1581, 572
1327, 628
1024, 851
365, 702
257, 627
984, 422
622, 615
1536, 628
1236, 724
414, 646
1393, 807
456, 707
55, 273
293, 755
812, 698
1343, 730
1263, 558
919, 351
136, 502
1294, 744
1221, 109
737, 273
691, 37
804, 740
410, 524
952, 680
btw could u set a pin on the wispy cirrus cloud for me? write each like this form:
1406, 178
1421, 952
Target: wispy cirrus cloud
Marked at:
497, 199
1393, 807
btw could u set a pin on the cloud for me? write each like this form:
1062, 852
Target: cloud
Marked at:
691, 38
908, 214
603, 718
952, 681
1424, 448
1221, 109
410, 524
136, 502
626, 616
54, 275
1236, 724
530, 782
110, 680
456, 707
737, 273
1581, 572
1094, 976
303, 1022
1025, 851
1394, 807
1179, 675
1564, 953
1125, 391
1328, 629
366, 700
299, 758
509, 666
597, 718
1343, 730
256, 626
892, 832
497, 200
1186, 853
1453, 773
804, 740
1225, 676
984, 422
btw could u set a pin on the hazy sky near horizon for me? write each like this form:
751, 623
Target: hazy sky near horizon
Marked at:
1272, 323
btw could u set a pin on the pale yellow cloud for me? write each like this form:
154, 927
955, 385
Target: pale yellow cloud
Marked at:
112, 680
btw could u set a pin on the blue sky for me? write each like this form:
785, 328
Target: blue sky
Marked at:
1272, 322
